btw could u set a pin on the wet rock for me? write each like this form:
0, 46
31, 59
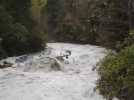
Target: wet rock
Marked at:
21, 59
6, 65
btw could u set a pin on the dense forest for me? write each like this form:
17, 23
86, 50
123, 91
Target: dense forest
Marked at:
19, 31
90, 21
26, 26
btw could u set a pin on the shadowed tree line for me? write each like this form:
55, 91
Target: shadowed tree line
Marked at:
17, 29
102, 22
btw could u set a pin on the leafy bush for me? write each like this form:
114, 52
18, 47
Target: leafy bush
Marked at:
16, 38
117, 75
15, 42
127, 41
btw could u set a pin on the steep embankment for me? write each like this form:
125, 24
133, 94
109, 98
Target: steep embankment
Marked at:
35, 77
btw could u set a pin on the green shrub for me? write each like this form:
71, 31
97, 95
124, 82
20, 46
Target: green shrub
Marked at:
117, 75
15, 42
16, 38
127, 41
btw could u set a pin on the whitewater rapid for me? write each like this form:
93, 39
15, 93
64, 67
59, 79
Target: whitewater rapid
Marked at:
31, 78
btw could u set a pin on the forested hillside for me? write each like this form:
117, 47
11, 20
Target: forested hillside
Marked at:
19, 31
102, 22
105, 22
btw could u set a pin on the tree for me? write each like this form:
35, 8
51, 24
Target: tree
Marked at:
102, 22
16, 29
